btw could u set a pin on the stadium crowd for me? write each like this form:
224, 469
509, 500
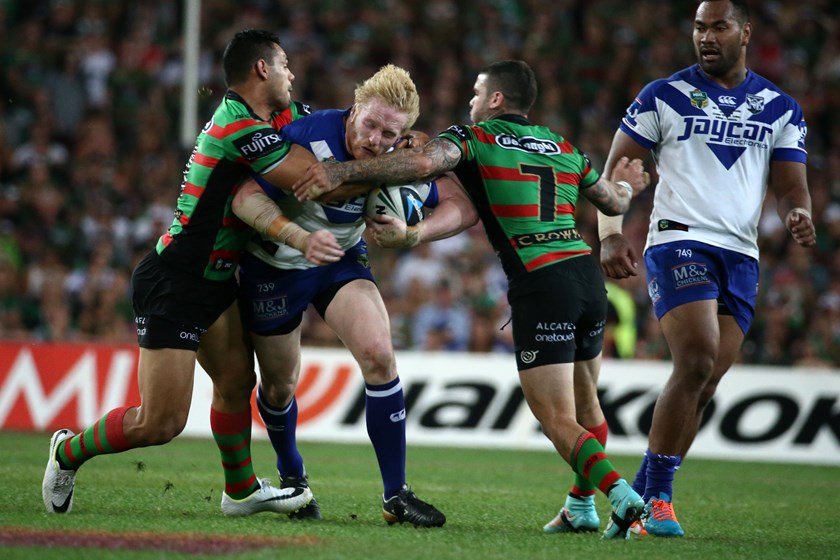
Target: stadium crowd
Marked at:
90, 160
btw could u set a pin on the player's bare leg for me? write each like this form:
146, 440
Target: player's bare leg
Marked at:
165, 379
227, 357
279, 360
694, 351
578, 512
358, 316
549, 391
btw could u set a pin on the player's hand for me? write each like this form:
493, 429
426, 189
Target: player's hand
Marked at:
618, 258
412, 139
632, 171
320, 178
321, 247
800, 225
392, 233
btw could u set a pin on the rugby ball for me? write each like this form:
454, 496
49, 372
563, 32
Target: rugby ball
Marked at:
404, 202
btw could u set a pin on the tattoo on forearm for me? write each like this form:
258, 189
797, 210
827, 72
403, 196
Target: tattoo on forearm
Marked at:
405, 165
604, 197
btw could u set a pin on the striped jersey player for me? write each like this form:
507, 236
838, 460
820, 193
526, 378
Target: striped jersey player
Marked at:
524, 180
205, 237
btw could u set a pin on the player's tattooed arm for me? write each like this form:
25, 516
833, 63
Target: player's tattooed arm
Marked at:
403, 166
607, 198
400, 166
442, 154
613, 197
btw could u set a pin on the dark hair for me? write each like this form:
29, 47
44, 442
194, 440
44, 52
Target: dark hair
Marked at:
740, 9
244, 50
516, 81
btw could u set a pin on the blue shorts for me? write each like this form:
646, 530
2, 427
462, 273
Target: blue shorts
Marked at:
686, 271
273, 300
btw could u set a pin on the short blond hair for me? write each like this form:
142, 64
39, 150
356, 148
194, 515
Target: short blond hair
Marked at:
394, 86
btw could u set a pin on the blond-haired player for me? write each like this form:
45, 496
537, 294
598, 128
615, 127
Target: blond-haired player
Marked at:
278, 284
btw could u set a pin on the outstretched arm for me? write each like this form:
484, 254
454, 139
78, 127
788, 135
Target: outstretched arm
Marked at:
400, 166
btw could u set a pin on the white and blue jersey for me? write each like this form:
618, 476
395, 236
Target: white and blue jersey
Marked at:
713, 147
277, 283
323, 134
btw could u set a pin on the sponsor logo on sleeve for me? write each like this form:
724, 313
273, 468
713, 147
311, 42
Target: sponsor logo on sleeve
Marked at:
258, 144
460, 132
222, 264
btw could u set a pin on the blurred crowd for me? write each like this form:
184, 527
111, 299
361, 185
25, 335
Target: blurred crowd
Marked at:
91, 161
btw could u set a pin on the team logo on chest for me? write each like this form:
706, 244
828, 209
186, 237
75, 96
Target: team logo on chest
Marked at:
755, 104
699, 99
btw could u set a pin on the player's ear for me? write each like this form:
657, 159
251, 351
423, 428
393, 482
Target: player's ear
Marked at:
260, 67
497, 99
746, 33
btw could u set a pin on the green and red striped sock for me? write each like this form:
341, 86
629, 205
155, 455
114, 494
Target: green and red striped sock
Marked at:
590, 461
104, 437
232, 432
581, 486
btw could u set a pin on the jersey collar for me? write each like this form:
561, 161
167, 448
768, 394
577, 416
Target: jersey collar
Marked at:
232, 95
510, 117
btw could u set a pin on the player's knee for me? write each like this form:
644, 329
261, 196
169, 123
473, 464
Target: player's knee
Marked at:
695, 368
277, 393
236, 387
158, 431
376, 361
706, 395
559, 426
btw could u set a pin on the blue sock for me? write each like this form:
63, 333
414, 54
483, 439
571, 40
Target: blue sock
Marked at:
281, 425
660, 475
640, 481
385, 418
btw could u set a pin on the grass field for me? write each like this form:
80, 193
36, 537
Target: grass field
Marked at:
495, 501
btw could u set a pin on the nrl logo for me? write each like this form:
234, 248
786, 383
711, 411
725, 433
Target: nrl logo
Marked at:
699, 99
755, 104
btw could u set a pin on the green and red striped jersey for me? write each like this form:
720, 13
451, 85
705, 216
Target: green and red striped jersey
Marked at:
524, 180
206, 238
